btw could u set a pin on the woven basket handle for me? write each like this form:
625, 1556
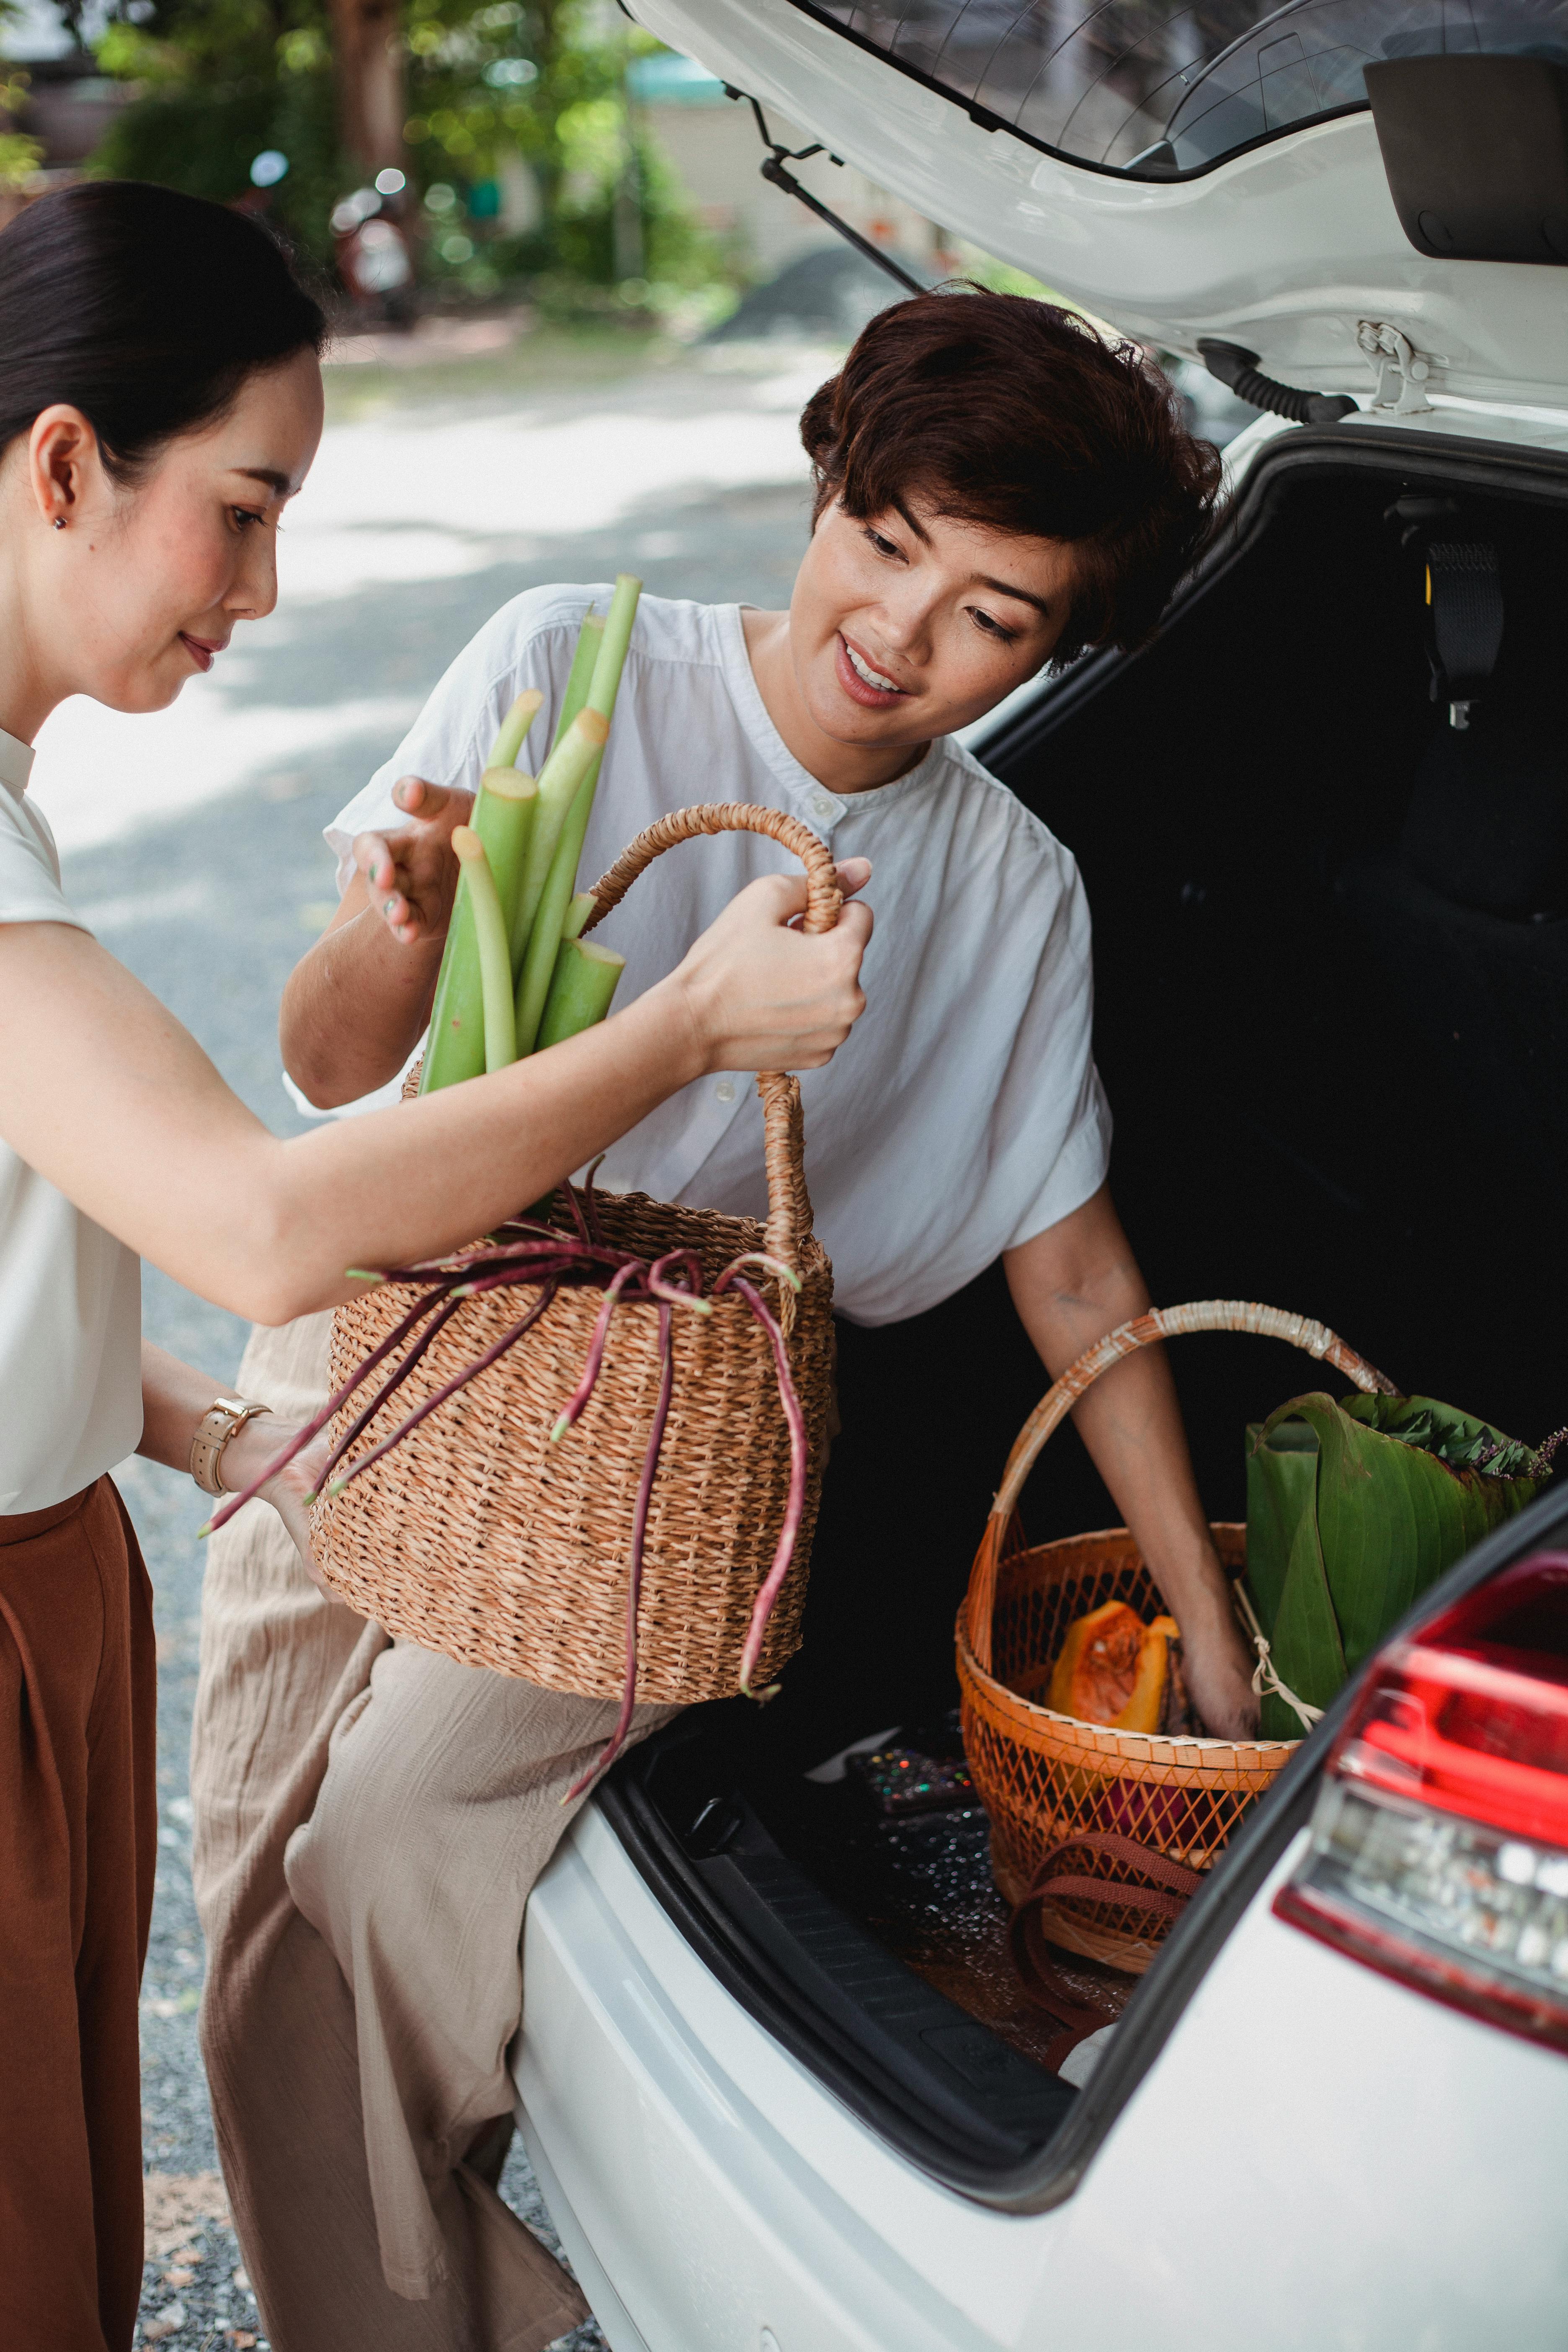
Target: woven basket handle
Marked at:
1143, 1331
784, 1131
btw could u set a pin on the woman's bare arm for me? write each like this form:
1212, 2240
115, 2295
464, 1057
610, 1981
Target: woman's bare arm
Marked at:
176, 1400
1071, 1284
105, 1094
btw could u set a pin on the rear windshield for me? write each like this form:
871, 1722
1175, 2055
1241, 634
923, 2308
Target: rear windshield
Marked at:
1153, 88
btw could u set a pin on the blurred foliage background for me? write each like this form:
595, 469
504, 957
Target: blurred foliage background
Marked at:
443, 154
522, 157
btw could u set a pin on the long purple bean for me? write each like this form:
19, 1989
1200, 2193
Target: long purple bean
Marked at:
760, 1257
459, 1380
312, 1428
591, 1200
784, 1551
453, 1269
662, 1286
612, 1747
575, 1209
437, 1323
584, 1388
389, 1387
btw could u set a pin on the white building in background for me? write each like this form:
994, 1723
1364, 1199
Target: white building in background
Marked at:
713, 143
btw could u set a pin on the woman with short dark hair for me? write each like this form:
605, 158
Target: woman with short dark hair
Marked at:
159, 403
1021, 418
997, 487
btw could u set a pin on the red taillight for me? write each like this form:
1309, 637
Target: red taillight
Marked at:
1439, 1851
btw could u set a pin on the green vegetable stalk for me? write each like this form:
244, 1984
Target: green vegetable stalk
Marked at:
530, 838
577, 914
502, 818
612, 652
455, 1049
514, 729
589, 639
538, 967
577, 752
478, 885
580, 992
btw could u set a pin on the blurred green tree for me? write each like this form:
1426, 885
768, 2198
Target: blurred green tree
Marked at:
509, 116
19, 155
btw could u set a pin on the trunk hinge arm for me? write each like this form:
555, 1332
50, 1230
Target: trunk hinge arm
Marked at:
773, 171
1401, 369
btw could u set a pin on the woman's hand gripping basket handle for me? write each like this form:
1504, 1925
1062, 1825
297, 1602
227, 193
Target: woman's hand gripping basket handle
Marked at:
1161, 1323
789, 1204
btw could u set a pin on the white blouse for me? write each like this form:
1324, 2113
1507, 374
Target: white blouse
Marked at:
964, 1114
70, 1295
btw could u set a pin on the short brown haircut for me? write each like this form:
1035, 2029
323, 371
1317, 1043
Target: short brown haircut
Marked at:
998, 409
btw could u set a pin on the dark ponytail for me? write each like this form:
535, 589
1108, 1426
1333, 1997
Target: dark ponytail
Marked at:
145, 308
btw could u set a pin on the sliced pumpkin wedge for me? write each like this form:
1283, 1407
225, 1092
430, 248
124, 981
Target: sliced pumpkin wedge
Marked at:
1113, 1668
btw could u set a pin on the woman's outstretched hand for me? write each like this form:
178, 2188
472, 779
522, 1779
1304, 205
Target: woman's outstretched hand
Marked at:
1215, 1664
261, 1441
761, 994
411, 875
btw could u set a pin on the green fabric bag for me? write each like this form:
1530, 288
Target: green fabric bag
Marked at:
1352, 1510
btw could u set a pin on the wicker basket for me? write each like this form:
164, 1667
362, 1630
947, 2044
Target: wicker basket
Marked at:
479, 1539
1046, 1779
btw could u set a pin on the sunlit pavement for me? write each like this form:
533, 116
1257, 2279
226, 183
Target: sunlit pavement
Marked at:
192, 842
413, 527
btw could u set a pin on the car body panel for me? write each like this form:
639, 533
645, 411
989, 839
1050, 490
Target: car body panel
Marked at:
721, 2188
1321, 2158
1286, 248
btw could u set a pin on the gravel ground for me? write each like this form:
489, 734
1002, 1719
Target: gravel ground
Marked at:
211, 903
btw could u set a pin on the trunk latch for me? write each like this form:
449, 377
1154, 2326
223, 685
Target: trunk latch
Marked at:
1401, 369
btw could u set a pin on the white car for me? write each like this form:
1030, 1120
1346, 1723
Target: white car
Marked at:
1323, 822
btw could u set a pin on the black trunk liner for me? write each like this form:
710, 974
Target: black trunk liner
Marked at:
756, 1867
921, 1884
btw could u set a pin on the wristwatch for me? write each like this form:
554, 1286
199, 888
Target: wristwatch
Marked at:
225, 1419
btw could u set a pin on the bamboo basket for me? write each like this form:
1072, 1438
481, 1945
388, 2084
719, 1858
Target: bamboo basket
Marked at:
479, 1539
1047, 1778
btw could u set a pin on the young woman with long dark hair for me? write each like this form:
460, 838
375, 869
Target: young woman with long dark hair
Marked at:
159, 403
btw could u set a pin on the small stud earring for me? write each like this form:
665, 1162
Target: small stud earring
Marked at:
59, 522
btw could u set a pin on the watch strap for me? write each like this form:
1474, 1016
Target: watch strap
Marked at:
225, 1418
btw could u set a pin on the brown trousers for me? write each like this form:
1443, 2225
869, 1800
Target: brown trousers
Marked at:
79, 1831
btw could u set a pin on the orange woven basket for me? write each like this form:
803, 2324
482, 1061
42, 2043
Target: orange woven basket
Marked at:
479, 1538
1045, 1778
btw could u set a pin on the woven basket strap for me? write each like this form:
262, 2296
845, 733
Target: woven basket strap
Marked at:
1049, 1991
1175, 1876
783, 1152
1108, 1890
1028, 1940
1143, 1331
1172, 1323
789, 1204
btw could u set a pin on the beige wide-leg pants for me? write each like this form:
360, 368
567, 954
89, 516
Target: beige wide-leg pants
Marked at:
370, 1818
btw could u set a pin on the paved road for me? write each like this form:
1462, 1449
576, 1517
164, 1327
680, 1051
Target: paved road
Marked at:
192, 841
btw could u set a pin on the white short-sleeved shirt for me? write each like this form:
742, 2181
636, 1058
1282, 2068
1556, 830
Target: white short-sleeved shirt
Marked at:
964, 1114
70, 1295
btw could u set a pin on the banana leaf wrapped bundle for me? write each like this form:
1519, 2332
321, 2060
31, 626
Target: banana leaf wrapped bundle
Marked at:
1352, 1510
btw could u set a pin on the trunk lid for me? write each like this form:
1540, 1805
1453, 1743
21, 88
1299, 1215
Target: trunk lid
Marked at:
1216, 171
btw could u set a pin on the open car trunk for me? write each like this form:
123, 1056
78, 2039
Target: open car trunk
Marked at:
1332, 955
